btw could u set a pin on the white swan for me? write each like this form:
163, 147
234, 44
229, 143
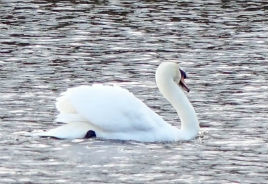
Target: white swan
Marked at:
111, 112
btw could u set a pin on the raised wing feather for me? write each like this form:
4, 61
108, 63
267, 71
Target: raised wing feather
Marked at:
111, 108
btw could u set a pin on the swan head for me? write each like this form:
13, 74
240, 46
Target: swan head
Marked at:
171, 70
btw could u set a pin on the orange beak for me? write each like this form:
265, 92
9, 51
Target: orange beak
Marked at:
183, 85
182, 82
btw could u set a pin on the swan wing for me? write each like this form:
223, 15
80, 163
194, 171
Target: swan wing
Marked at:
108, 108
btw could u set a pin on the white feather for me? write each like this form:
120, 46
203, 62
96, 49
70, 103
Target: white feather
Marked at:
115, 113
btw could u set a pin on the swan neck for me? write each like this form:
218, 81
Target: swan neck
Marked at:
175, 95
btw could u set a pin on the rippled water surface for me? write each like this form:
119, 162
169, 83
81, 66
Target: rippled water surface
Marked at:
49, 46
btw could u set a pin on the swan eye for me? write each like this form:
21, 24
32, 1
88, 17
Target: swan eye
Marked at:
183, 74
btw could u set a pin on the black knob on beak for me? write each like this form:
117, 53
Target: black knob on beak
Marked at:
183, 74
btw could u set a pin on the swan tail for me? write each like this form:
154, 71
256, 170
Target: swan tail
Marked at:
67, 113
69, 118
76, 130
76, 126
64, 105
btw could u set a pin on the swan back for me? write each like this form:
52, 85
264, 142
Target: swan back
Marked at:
113, 112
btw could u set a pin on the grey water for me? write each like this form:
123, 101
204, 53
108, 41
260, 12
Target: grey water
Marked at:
48, 46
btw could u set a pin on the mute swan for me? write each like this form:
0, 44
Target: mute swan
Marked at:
111, 112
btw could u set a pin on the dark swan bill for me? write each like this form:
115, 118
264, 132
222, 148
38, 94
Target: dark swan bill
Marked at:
182, 82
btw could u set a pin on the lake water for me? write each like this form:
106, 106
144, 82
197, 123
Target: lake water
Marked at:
49, 46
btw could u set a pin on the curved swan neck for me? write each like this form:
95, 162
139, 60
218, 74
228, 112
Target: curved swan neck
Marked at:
175, 95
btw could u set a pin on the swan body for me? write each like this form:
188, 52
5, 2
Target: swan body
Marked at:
115, 113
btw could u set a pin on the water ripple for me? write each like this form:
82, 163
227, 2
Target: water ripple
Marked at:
48, 46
